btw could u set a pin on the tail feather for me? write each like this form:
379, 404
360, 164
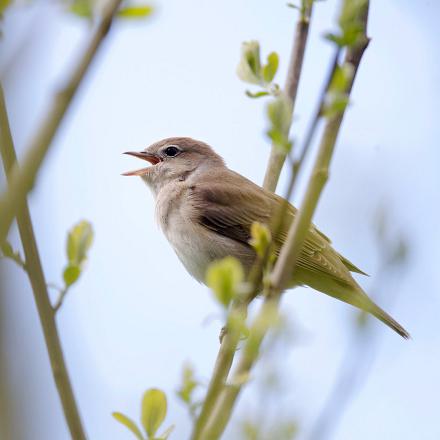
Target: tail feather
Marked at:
350, 293
376, 311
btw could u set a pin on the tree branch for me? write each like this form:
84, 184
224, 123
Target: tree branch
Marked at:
22, 179
229, 342
278, 157
39, 287
287, 259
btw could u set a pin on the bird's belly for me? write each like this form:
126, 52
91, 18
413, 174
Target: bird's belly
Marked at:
197, 248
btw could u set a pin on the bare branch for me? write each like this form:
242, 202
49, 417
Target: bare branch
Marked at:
39, 287
22, 178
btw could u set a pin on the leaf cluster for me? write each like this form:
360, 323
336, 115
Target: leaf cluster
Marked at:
251, 70
153, 413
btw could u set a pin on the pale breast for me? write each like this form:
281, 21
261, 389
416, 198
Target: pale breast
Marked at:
196, 246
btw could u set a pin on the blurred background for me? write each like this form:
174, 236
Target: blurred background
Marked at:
136, 317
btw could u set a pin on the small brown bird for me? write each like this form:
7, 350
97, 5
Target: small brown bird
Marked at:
206, 212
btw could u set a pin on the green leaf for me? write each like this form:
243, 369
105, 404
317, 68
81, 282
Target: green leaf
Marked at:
8, 252
261, 238
279, 112
3, 5
136, 12
82, 8
225, 277
256, 94
249, 68
336, 99
154, 410
270, 69
71, 274
126, 421
79, 240
188, 384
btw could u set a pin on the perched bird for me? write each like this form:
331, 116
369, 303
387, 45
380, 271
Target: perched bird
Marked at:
206, 211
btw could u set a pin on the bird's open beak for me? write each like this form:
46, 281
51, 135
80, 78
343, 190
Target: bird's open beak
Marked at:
152, 158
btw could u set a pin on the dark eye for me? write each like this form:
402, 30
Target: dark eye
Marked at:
171, 151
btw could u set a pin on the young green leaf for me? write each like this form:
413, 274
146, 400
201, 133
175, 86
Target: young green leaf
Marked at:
82, 8
71, 274
261, 238
3, 5
189, 384
8, 252
79, 240
154, 410
136, 12
225, 277
279, 112
126, 421
249, 68
336, 99
270, 69
256, 94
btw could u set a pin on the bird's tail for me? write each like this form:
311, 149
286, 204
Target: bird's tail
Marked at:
352, 294
376, 311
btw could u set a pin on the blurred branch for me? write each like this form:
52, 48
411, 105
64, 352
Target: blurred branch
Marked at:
277, 156
289, 253
39, 287
22, 179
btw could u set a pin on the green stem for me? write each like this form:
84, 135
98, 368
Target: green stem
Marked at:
22, 179
39, 287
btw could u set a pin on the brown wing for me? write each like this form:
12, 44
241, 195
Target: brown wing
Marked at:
229, 204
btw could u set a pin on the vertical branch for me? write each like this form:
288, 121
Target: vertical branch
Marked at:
278, 157
22, 179
39, 287
229, 342
289, 254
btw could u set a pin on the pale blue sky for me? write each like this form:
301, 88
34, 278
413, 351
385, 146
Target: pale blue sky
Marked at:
136, 316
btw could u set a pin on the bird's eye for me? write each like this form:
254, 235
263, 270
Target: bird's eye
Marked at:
171, 151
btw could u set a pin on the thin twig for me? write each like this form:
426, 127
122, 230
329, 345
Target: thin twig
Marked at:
287, 259
277, 157
23, 177
59, 301
39, 287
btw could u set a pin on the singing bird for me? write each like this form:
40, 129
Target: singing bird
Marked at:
206, 211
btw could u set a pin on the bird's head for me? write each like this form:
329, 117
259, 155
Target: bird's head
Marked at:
173, 159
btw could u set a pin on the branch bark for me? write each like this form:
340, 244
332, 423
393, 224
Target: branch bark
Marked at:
39, 287
288, 256
22, 179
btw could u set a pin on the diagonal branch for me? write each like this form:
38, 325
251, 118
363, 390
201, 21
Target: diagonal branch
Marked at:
22, 179
288, 256
39, 287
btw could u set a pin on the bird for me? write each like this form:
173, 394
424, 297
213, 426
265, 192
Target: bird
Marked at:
206, 211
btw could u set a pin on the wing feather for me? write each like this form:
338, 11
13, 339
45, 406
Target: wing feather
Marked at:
217, 201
